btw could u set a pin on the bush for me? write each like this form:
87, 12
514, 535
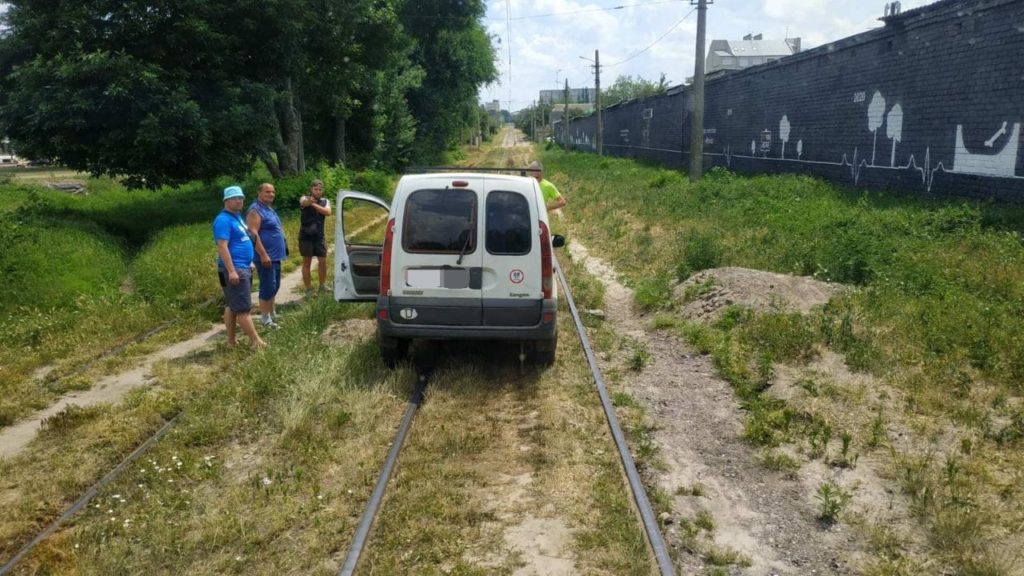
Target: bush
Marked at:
653, 293
701, 251
380, 184
49, 262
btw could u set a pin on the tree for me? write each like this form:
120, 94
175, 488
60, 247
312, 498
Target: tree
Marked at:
894, 129
117, 89
172, 90
626, 88
456, 55
876, 117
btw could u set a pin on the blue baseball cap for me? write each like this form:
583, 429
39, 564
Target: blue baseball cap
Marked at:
233, 192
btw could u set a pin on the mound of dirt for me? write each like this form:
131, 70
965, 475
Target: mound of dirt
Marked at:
703, 295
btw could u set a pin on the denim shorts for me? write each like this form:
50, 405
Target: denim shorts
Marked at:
270, 279
238, 298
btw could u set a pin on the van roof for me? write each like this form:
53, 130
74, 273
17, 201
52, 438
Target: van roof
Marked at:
467, 175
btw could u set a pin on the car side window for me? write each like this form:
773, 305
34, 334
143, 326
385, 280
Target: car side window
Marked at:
440, 221
508, 223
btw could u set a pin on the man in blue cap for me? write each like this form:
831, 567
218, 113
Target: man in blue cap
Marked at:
234, 264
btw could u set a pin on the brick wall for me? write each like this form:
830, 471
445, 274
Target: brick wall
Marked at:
932, 103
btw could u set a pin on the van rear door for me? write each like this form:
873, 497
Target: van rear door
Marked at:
360, 225
437, 257
511, 293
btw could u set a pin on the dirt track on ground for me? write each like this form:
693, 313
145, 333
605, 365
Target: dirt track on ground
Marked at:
765, 516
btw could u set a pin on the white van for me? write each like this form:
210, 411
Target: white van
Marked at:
456, 256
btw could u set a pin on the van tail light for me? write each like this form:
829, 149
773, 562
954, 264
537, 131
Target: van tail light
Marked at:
385, 263
546, 269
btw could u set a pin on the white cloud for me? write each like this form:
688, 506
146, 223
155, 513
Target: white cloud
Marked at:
545, 46
796, 10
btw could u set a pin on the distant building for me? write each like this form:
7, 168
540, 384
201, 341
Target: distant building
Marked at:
493, 106
576, 96
750, 51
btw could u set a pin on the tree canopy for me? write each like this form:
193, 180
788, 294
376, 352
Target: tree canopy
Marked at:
165, 91
626, 88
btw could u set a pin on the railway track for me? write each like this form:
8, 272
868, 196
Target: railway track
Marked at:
362, 536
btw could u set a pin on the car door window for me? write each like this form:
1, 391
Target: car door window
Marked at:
440, 222
508, 223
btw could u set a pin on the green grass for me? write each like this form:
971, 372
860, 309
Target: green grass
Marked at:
936, 311
266, 472
86, 272
940, 277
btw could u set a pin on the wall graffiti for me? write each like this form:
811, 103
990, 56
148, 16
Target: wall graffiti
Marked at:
919, 104
999, 164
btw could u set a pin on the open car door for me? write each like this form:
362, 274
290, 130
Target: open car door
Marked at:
361, 222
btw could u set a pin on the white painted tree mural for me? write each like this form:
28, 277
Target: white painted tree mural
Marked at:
784, 133
894, 129
876, 116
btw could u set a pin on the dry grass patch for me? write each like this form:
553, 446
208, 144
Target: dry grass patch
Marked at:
266, 473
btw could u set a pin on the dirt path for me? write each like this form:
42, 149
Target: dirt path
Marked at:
766, 517
111, 389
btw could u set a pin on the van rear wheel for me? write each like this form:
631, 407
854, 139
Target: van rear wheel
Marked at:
544, 352
393, 350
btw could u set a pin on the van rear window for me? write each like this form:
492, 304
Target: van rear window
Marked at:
440, 221
508, 223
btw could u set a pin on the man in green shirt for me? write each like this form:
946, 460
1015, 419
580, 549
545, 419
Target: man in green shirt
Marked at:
552, 199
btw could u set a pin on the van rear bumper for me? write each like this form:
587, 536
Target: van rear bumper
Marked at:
542, 330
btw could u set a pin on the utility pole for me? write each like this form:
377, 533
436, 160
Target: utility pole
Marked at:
697, 119
533, 121
565, 119
597, 102
597, 99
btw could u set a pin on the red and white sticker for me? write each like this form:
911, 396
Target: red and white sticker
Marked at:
516, 276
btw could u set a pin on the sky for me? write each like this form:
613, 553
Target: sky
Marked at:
645, 38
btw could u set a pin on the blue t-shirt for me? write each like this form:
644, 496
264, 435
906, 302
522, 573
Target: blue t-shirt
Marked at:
231, 227
271, 234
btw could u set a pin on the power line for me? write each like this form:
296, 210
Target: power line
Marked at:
584, 11
659, 39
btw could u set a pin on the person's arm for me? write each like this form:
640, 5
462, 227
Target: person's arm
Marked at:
324, 210
225, 257
253, 221
556, 203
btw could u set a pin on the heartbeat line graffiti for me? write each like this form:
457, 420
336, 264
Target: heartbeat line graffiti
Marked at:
997, 164
857, 165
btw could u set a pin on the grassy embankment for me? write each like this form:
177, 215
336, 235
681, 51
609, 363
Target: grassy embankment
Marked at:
936, 317
86, 272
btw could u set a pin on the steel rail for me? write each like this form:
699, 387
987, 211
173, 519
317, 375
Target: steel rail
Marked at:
654, 536
89, 494
355, 550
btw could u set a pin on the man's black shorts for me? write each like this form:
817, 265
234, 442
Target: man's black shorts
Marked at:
310, 247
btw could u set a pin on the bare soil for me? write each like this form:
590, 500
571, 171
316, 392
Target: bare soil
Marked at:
768, 517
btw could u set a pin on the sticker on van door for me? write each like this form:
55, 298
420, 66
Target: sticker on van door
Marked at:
516, 276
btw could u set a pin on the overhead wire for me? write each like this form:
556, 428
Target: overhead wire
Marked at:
509, 19
651, 45
588, 10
